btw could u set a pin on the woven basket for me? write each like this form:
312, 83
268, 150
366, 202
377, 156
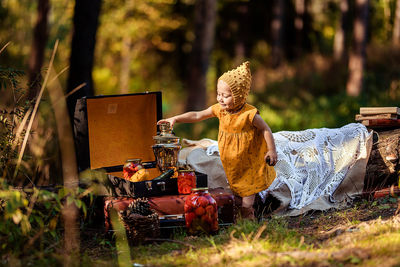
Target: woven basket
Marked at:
139, 227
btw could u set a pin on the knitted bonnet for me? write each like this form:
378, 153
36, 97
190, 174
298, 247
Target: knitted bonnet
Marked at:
239, 81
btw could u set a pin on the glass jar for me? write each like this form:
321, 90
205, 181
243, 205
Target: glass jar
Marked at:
131, 166
201, 213
186, 181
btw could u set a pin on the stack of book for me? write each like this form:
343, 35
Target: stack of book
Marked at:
379, 117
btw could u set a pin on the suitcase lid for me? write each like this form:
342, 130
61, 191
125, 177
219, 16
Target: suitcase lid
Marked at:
120, 127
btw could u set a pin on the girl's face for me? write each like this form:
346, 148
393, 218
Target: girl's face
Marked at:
224, 95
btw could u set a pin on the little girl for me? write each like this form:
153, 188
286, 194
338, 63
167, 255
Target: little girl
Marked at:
245, 141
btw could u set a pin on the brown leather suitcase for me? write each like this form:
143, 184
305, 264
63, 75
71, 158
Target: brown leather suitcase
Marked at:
171, 208
166, 186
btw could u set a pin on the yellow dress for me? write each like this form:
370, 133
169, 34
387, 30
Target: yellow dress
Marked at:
242, 148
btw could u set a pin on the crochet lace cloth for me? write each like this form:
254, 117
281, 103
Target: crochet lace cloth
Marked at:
313, 163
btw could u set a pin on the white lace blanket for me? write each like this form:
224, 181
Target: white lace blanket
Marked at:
317, 168
314, 162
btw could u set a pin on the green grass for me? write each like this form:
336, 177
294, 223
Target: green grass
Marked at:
274, 242
246, 242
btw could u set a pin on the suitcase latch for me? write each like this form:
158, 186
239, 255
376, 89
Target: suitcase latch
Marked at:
148, 185
162, 185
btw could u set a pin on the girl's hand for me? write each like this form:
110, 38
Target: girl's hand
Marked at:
170, 120
271, 158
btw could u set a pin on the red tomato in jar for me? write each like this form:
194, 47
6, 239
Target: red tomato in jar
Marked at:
187, 207
215, 226
200, 211
210, 209
211, 200
192, 199
189, 218
187, 189
203, 201
206, 218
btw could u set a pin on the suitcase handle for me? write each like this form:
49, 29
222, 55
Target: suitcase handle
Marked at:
149, 185
162, 185
149, 164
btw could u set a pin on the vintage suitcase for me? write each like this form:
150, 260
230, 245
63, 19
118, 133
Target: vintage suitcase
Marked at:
111, 129
171, 208
160, 187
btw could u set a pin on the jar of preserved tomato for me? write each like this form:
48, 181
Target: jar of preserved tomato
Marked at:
131, 166
201, 213
186, 181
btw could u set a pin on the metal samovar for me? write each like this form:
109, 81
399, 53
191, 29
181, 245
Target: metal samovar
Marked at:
166, 148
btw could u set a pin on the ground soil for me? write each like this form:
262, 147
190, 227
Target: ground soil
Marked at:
327, 224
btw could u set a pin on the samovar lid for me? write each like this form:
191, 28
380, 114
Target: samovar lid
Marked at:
167, 145
165, 136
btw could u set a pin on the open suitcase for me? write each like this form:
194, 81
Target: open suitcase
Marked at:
111, 129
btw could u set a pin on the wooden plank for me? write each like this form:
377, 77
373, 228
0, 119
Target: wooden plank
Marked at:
381, 123
379, 110
360, 117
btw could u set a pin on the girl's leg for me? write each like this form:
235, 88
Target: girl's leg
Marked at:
247, 210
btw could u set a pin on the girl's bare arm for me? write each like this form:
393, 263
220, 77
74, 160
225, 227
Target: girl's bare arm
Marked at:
260, 124
189, 117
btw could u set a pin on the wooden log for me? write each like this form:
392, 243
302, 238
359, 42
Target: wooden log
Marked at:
384, 162
379, 110
381, 123
360, 117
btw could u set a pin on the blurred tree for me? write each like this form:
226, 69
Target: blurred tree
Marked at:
243, 36
300, 8
357, 55
135, 44
339, 42
277, 32
396, 29
125, 70
126, 52
86, 14
40, 37
205, 14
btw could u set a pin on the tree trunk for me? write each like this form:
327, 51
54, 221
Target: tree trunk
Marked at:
205, 13
40, 37
125, 72
277, 32
299, 25
357, 56
86, 15
396, 28
70, 212
340, 34
241, 45
126, 53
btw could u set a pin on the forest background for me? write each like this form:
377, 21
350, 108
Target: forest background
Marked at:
300, 52
314, 63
